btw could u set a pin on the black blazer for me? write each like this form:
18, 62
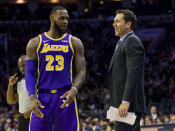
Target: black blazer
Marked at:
126, 74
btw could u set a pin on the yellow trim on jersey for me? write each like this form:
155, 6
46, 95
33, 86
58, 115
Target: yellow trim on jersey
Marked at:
78, 124
76, 111
38, 75
70, 43
53, 38
36, 92
38, 63
71, 70
30, 120
71, 58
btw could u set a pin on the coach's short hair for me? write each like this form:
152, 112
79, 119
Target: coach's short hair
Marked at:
128, 16
54, 9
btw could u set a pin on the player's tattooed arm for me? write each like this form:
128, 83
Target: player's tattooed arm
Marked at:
80, 62
32, 47
32, 56
80, 67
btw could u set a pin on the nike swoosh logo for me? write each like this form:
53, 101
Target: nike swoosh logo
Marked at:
64, 41
45, 40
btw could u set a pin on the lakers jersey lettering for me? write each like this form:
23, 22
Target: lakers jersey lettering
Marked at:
54, 62
48, 47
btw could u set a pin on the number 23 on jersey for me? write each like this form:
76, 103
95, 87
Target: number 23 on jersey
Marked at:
51, 67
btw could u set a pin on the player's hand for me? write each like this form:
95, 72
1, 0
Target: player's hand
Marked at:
70, 95
13, 79
34, 106
27, 113
123, 109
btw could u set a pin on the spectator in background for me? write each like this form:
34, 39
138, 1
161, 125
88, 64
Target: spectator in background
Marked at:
159, 120
21, 96
153, 111
147, 120
172, 118
142, 121
166, 119
96, 124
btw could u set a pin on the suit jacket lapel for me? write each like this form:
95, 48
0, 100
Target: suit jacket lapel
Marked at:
112, 60
111, 63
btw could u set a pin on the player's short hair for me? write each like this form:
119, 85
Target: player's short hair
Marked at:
128, 16
54, 9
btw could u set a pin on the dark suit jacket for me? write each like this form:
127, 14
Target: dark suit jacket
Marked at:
126, 74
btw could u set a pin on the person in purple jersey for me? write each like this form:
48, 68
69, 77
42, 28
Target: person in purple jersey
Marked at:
49, 57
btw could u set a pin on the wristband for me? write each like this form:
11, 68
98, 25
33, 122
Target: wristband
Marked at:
30, 74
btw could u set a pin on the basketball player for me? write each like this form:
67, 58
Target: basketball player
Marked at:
21, 96
50, 56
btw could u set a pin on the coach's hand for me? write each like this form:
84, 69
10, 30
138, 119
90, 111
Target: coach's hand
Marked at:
123, 109
34, 106
70, 95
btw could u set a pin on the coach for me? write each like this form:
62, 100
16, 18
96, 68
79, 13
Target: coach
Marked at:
126, 71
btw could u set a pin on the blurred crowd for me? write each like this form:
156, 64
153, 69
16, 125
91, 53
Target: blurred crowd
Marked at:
157, 117
96, 9
99, 43
9, 120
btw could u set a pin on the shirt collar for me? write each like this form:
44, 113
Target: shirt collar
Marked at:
123, 37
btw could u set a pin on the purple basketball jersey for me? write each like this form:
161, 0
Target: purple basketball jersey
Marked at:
55, 58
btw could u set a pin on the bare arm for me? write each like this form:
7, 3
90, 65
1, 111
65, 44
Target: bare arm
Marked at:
80, 67
32, 48
12, 97
31, 70
31, 54
80, 62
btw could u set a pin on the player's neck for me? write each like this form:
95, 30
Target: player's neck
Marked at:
54, 34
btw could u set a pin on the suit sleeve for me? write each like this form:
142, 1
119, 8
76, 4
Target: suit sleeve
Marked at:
134, 51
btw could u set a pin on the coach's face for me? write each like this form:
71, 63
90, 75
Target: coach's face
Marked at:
60, 20
120, 26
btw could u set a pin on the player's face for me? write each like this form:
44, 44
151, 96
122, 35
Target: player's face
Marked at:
120, 25
21, 65
60, 20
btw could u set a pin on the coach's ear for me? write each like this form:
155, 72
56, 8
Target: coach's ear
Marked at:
128, 24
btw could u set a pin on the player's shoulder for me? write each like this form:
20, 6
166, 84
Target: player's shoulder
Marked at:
76, 43
33, 42
75, 39
35, 39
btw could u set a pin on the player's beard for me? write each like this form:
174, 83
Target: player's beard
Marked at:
58, 29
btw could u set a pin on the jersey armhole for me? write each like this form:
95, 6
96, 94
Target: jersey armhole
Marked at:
39, 44
70, 43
